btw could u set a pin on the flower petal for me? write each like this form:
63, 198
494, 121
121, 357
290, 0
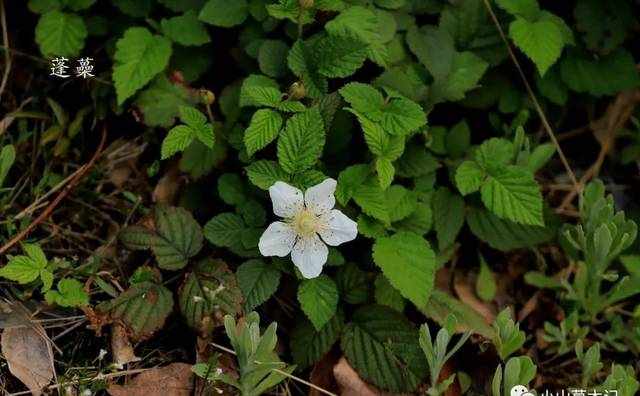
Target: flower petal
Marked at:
309, 255
337, 228
319, 198
277, 240
287, 200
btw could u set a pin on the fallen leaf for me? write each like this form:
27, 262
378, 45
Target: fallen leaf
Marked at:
121, 347
351, 384
175, 379
29, 355
465, 291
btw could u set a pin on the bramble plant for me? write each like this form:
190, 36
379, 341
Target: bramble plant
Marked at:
359, 174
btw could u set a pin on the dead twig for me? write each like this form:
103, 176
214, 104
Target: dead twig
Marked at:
59, 198
7, 56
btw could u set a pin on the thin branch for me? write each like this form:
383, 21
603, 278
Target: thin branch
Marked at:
7, 56
532, 95
51, 207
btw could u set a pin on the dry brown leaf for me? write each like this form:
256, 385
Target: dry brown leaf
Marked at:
29, 355
175, 379
466, 292
322, 375
168, 186
351, 384
121, 347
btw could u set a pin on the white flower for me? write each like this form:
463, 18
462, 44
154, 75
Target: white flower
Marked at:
306, 219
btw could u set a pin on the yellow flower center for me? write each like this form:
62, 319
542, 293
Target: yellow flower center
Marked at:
305, 223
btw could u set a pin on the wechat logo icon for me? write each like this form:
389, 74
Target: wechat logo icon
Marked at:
520, 390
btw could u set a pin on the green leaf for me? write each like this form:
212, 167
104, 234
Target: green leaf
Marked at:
407, 261
385, 171
372, 201
400, 202
605, 23
364, 98
160, 102
434, 48
617, 72
309, 345
70, 293
264, 174
349, 180
263, 129
60, 34
448, 215
138, 58
177, 140
503, 234
231, 189
134, 8
469, 177
272, 57
182, 5
185, 29
542, 41
363, 24
175, 239
388, 295
258, 281
494, 152
225, 229
300, 144
223, 13
458, 139
143, 308
382, 345
486, 283
22, 269
511, 193
527, 9
339, 56
259, 90
209, 292
318, 299
7, 158
466, 71
402, 116
301, 61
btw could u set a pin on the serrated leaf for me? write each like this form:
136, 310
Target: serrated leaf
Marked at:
511, 193
388, 295
372, 201
259, 90
364, 98
258, 281
528, 9
161, 101
143, 308
318, 299
448, 214
308, 345
138, 58
60, 34
175, 239
301, 61
264, 174
209, 291
385, 171
224, 13
466, 71
434, 47
503, 234
402, 116
382, 345
177, 140
263, 129
469, 177
21, 269
542, 41
401, 202
407, 261
185, 29
272, 57
225, 229
69, 293
301, 142
339, 56
231, 189
349, 180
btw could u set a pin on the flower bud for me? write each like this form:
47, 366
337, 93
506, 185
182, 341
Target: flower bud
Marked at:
207, 96
297, 90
